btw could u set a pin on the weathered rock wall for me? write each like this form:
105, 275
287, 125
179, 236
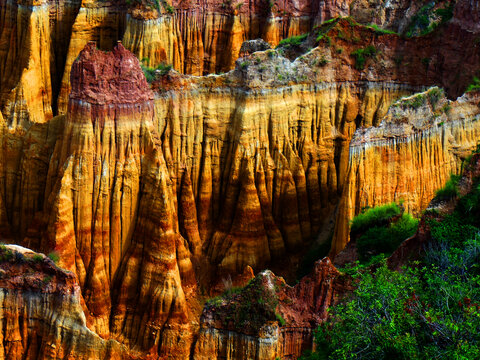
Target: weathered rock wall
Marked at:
111, 209
421, 141
41, 312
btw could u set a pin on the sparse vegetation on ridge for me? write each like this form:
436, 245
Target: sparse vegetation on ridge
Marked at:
361, 56
293, 40
474, 85
151, 72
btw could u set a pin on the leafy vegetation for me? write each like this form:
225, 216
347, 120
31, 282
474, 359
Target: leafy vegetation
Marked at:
475, 85
434, 96
151, 72
361, 56
5, 253
429, 310
293, 40
54, 256
449, 191
250, 307
377, 216
385, 239
379, 31
427, 20
322, 30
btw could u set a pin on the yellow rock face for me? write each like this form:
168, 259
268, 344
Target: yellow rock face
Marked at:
265, 165
408, 157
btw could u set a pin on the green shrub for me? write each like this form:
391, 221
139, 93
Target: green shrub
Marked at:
151, 73
445, 13
379, 31
434, 96
54, 256
361, 56
293, 40
475, 85
385, 239
244, 64
280, 319
449, 191
376, 216
37, 258
5, 253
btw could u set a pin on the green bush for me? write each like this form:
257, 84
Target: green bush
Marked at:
293, 40
361, 56
449, 191
475, 85
379, 31
385, 239
151, 73
54, 256
280, 319
376, 216
37, 258
434, 96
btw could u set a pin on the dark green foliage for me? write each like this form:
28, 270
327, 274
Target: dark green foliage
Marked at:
244, 64
5, 253
420, 313
385, 239
280, 319
475, 85
415, 101
377, 216
426, 19
154, 4
379, 31
37, 258
293, 40
434, 96
54, 256
449, 191
151, 73
446, 13
361, 56
322, 30
469, 206
323, 61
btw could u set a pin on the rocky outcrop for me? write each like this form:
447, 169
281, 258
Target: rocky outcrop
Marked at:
111, 210
41, 312
269, 319
422, 140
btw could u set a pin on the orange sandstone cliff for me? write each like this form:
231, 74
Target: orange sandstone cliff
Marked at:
154, 196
